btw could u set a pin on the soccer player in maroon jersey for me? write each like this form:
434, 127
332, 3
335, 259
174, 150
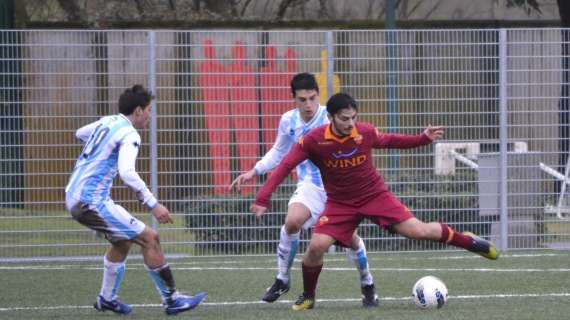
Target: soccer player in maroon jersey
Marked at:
355, 190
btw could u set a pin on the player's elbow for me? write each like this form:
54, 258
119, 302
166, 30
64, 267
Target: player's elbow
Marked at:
125, 172
289, 166
128, 175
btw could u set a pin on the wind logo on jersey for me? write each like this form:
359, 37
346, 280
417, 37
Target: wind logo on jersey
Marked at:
322, 220
345, 160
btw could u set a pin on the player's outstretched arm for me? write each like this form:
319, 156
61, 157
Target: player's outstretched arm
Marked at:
270, 160
161, 214
434, 132
263, 197
242, 178
404, 141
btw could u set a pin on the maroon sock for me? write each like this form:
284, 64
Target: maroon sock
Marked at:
454, 238
310, 278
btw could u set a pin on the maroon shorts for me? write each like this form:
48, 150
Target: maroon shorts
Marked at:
339, 220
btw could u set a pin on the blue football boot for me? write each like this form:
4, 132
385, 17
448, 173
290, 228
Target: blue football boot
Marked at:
114, 305
184, 303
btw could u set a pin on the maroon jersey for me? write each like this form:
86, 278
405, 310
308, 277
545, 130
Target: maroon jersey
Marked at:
346, 165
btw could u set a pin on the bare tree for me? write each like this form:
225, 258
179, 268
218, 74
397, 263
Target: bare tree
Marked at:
323, 11
528, 6
283, 6
140, 6
286, 4
72, 9
244, 7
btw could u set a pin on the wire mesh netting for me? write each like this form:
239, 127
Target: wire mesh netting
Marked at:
502, 96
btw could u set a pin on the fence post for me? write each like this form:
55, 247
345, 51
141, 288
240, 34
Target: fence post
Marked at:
503, 133
153, 126
392, 90
330, 67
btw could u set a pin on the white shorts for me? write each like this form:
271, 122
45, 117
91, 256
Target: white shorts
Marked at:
107, 218
312, 197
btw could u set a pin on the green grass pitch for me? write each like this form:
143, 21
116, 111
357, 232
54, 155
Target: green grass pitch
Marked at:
520, 285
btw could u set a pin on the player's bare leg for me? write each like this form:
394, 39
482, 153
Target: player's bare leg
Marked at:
357, 254
312, 266
416, 229
297, 215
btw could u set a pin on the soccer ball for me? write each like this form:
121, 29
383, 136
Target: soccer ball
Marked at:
429, 292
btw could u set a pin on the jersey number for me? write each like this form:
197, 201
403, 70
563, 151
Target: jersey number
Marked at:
94, 141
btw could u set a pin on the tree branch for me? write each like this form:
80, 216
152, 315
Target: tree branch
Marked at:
245, 5
433, 9
140, 8
72, 9
323, 11
283, 6
564, 10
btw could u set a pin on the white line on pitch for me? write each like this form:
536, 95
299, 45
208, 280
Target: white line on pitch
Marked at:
230, 303
55, 268
387, 256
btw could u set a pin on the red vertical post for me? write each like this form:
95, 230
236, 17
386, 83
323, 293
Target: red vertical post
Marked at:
244, 109
284, 81
284, 84
214, 85
269, 92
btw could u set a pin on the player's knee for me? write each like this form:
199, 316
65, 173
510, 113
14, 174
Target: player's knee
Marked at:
292, 226
122, 247
317, 250
150, 238
312, 257
355, 242
155, 239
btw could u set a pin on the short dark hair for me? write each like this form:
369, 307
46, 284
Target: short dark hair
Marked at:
134, 97
340, 101
304, 81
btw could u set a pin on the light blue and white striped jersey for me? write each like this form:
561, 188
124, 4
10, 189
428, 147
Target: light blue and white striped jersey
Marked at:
291, 128
97, 164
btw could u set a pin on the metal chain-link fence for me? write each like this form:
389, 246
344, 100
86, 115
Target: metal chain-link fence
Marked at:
502, 96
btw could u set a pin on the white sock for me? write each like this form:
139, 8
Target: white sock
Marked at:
113, 273
360, 260
286, 251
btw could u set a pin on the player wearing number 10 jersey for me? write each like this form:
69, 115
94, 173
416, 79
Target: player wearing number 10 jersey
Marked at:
111, 146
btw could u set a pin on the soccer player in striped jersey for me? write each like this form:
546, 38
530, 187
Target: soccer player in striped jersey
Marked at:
355, 189
307, 202
111, 145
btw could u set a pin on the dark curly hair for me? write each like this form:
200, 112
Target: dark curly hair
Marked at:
134, 97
